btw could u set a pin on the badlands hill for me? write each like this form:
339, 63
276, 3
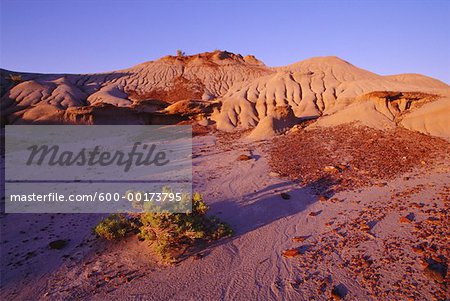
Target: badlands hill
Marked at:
232, 91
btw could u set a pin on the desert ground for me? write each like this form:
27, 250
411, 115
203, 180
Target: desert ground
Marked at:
335, 180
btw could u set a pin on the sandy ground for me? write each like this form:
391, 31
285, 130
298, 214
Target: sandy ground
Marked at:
336, 252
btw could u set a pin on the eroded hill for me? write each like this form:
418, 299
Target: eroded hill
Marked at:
242, 91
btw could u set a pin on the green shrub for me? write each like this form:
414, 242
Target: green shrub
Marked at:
15, 78
114, 226
169, 233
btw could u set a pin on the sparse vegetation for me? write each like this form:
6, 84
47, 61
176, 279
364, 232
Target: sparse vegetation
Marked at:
170, 234
180, 53
114, 226
15, 78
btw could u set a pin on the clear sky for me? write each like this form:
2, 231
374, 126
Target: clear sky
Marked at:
386, 37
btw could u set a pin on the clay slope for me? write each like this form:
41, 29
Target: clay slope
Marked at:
336, 91
170, 79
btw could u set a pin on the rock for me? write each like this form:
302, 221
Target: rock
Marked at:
244, 158
404, 220
203, 122
423, 262
322, 199
285, 196
290, 253
418, 249
315, 213
294, 130
407, 219
364, 227
436, 271
299, 238
339, 292
341, 167
274, 174
57, 244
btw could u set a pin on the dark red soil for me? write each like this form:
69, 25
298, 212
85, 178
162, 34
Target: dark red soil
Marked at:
349, 156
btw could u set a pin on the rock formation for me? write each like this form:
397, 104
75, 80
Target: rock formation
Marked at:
243, 92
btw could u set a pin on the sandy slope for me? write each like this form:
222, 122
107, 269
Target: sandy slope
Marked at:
250, 265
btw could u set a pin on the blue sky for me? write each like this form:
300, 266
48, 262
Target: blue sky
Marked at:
386, 37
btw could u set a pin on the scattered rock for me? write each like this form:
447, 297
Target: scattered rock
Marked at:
364, 227
244, 157
274, 174
418, 249
58, 244
341, 167
290, 253
299, 238
407, 219
315, 213
322, 199
203, 122
339, 292
436, 271
364, 158
330, 169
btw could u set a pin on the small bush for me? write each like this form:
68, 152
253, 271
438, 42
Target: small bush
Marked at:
169, 233
180, 53
114, 227
15, 78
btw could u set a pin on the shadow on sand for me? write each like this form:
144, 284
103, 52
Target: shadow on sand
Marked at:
264, 207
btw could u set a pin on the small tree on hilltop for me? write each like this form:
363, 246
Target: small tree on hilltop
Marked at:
180, 53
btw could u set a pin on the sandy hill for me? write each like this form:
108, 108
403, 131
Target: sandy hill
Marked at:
170, 79
246, 94
337, 92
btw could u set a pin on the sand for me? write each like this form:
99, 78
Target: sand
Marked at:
343, 192
250, 265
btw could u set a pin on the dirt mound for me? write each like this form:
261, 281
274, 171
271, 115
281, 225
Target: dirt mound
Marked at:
281, 120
